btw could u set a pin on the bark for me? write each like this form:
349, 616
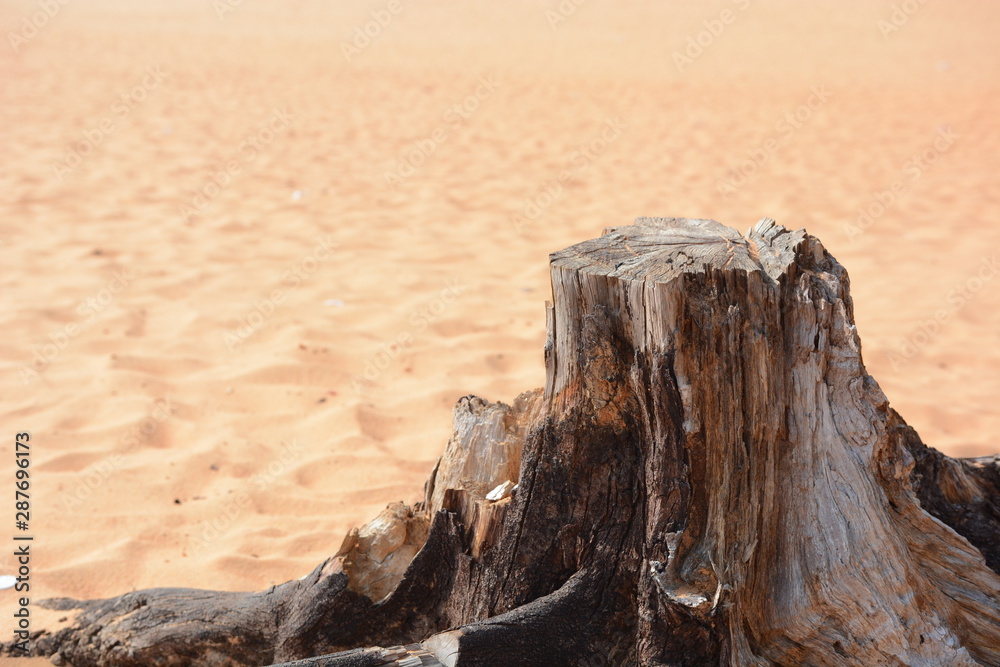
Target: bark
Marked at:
709, 477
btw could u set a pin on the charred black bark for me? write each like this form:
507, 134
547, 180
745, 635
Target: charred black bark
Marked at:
710, 478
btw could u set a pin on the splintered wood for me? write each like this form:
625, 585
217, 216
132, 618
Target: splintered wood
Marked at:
709, 477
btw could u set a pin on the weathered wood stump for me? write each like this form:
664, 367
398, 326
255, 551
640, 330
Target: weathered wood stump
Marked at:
709, 477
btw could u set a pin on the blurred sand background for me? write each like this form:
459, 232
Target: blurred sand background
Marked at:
219, 388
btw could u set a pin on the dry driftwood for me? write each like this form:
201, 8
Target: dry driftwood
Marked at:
709, 477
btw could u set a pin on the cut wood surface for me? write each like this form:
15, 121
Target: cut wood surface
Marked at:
709, 477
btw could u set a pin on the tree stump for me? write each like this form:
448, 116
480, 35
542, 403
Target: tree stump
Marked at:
709, 477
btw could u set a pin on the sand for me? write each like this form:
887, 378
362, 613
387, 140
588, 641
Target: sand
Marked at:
251, 263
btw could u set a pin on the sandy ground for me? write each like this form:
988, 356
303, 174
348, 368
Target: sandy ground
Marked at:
251, 260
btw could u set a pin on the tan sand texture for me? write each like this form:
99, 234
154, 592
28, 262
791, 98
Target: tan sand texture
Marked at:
252, 256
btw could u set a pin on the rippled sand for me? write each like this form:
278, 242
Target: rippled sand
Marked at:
250, 263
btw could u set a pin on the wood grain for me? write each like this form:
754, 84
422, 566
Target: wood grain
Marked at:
710, 476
